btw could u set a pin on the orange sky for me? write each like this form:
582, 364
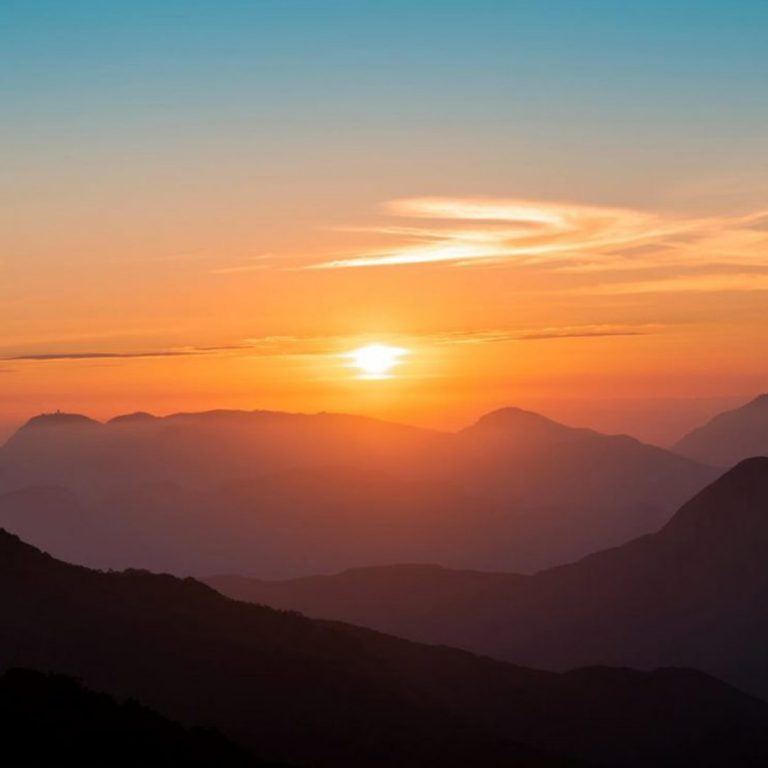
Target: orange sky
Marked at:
500, 301
539, 304
552, 209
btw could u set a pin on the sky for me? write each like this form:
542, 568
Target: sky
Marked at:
557, 205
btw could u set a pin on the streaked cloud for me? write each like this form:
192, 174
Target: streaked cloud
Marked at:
96, 355
565, 238
292, 346
748, 281
541, 334
118, 355
329, 345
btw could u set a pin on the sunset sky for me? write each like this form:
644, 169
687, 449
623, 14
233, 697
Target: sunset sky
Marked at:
558, 205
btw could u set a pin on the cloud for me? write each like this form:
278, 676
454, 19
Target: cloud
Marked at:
292, 346
98, 355
540, 334
115, 355
748, 281
560, 237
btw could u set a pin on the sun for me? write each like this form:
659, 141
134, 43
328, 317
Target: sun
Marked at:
375, 361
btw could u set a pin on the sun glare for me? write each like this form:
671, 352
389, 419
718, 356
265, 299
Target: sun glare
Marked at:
375, 361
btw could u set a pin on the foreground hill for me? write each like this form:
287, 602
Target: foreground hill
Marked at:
325, 694
693, 594
730, 437
284, 494
52, 720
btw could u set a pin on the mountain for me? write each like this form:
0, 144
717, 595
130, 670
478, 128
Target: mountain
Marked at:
51, 720
577, 490
729, 437
281, 494
320, 693
692, 594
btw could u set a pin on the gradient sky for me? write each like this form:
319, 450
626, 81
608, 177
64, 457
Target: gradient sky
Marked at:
555, 204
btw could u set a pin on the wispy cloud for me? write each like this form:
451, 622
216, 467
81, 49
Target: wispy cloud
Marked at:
561, 237
748, 281
95, 355
116, 355
293, 346
540, 334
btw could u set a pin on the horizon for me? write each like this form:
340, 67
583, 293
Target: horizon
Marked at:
672, 424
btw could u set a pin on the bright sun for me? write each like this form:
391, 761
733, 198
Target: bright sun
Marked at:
377, 360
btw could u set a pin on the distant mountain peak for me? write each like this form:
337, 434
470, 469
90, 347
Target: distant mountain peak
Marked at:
133, 418
512, 416
520, 421
761, 401
59, 418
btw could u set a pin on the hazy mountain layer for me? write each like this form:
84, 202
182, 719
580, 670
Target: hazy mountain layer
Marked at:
693, 594
280, 494
730, 437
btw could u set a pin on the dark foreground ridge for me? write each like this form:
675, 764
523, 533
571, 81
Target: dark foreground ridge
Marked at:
319, 693
52, 720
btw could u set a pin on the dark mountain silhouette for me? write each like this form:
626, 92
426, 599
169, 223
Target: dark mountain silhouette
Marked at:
282, 494
693, 594
729, 437
327, 694
52, 720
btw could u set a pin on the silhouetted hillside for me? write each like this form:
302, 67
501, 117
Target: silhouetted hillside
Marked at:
730, 437
52, 720
693, 594
327, 694
283, 494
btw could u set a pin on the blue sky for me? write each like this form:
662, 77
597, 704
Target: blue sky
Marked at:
473, 88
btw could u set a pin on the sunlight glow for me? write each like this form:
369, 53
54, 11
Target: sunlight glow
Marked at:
375, 361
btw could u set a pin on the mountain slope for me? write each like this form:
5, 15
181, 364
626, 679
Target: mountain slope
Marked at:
729, 437
693, 594
52, 720
327, 694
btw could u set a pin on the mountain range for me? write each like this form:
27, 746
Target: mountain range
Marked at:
692, 594
729, 437
278, 494
318, 693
